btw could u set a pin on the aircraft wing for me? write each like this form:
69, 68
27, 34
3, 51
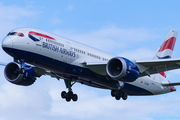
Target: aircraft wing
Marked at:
146, 67
40, 71
156, 66
97, 67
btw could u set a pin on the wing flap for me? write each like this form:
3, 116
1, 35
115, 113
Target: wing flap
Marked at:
40, 71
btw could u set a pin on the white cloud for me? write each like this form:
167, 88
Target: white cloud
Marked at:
13, 12
111, 39
21, 102
17, 102
9, 19
11, 15
138, 54
42, 100
94, 106
120, 34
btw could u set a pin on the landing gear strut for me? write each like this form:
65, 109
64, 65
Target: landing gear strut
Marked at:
69, 95
118, 94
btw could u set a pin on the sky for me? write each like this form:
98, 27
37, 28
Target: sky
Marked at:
129, 28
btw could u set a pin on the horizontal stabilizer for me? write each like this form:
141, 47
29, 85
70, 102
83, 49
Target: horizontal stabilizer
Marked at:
170, 84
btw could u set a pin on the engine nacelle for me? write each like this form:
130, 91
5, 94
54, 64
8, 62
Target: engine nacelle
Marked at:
122, 69
24, 76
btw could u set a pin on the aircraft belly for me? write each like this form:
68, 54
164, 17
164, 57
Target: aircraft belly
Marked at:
66, 70
80, 74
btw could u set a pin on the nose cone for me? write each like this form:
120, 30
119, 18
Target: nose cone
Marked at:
7, 43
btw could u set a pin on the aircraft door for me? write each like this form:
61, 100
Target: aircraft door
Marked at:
69, 52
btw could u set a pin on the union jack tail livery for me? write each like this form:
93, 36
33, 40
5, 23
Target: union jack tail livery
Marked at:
166, 48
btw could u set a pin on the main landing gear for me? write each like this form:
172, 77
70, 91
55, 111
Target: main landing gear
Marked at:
69, 95
118, 94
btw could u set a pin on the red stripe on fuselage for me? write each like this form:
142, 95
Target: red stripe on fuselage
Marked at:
168, 44
41, 35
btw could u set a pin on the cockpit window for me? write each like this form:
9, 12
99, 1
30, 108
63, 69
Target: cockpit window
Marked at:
20, 34
16, 33
12, 33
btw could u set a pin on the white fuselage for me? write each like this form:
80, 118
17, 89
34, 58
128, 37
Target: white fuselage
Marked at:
68, 52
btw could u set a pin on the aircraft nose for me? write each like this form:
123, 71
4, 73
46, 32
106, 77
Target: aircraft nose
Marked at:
7, 43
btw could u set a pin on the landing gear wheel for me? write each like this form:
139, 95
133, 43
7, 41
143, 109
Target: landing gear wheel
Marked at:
68, 99
75, 97
113, 93
63, 94
124, 96
118, 97
70, 94
118, 94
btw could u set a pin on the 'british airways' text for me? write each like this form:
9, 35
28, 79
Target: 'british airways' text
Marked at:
58, 49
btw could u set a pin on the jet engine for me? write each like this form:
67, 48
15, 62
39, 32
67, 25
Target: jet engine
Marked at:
18, 75
122, 69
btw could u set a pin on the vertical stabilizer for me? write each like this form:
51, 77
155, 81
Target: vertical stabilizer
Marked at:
166, 49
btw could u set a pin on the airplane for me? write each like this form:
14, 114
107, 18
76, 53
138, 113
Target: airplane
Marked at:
36, 53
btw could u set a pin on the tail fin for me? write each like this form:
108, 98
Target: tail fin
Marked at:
166, 48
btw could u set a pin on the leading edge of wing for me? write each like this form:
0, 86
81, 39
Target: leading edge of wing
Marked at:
146, 67
157, 61
149, 67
